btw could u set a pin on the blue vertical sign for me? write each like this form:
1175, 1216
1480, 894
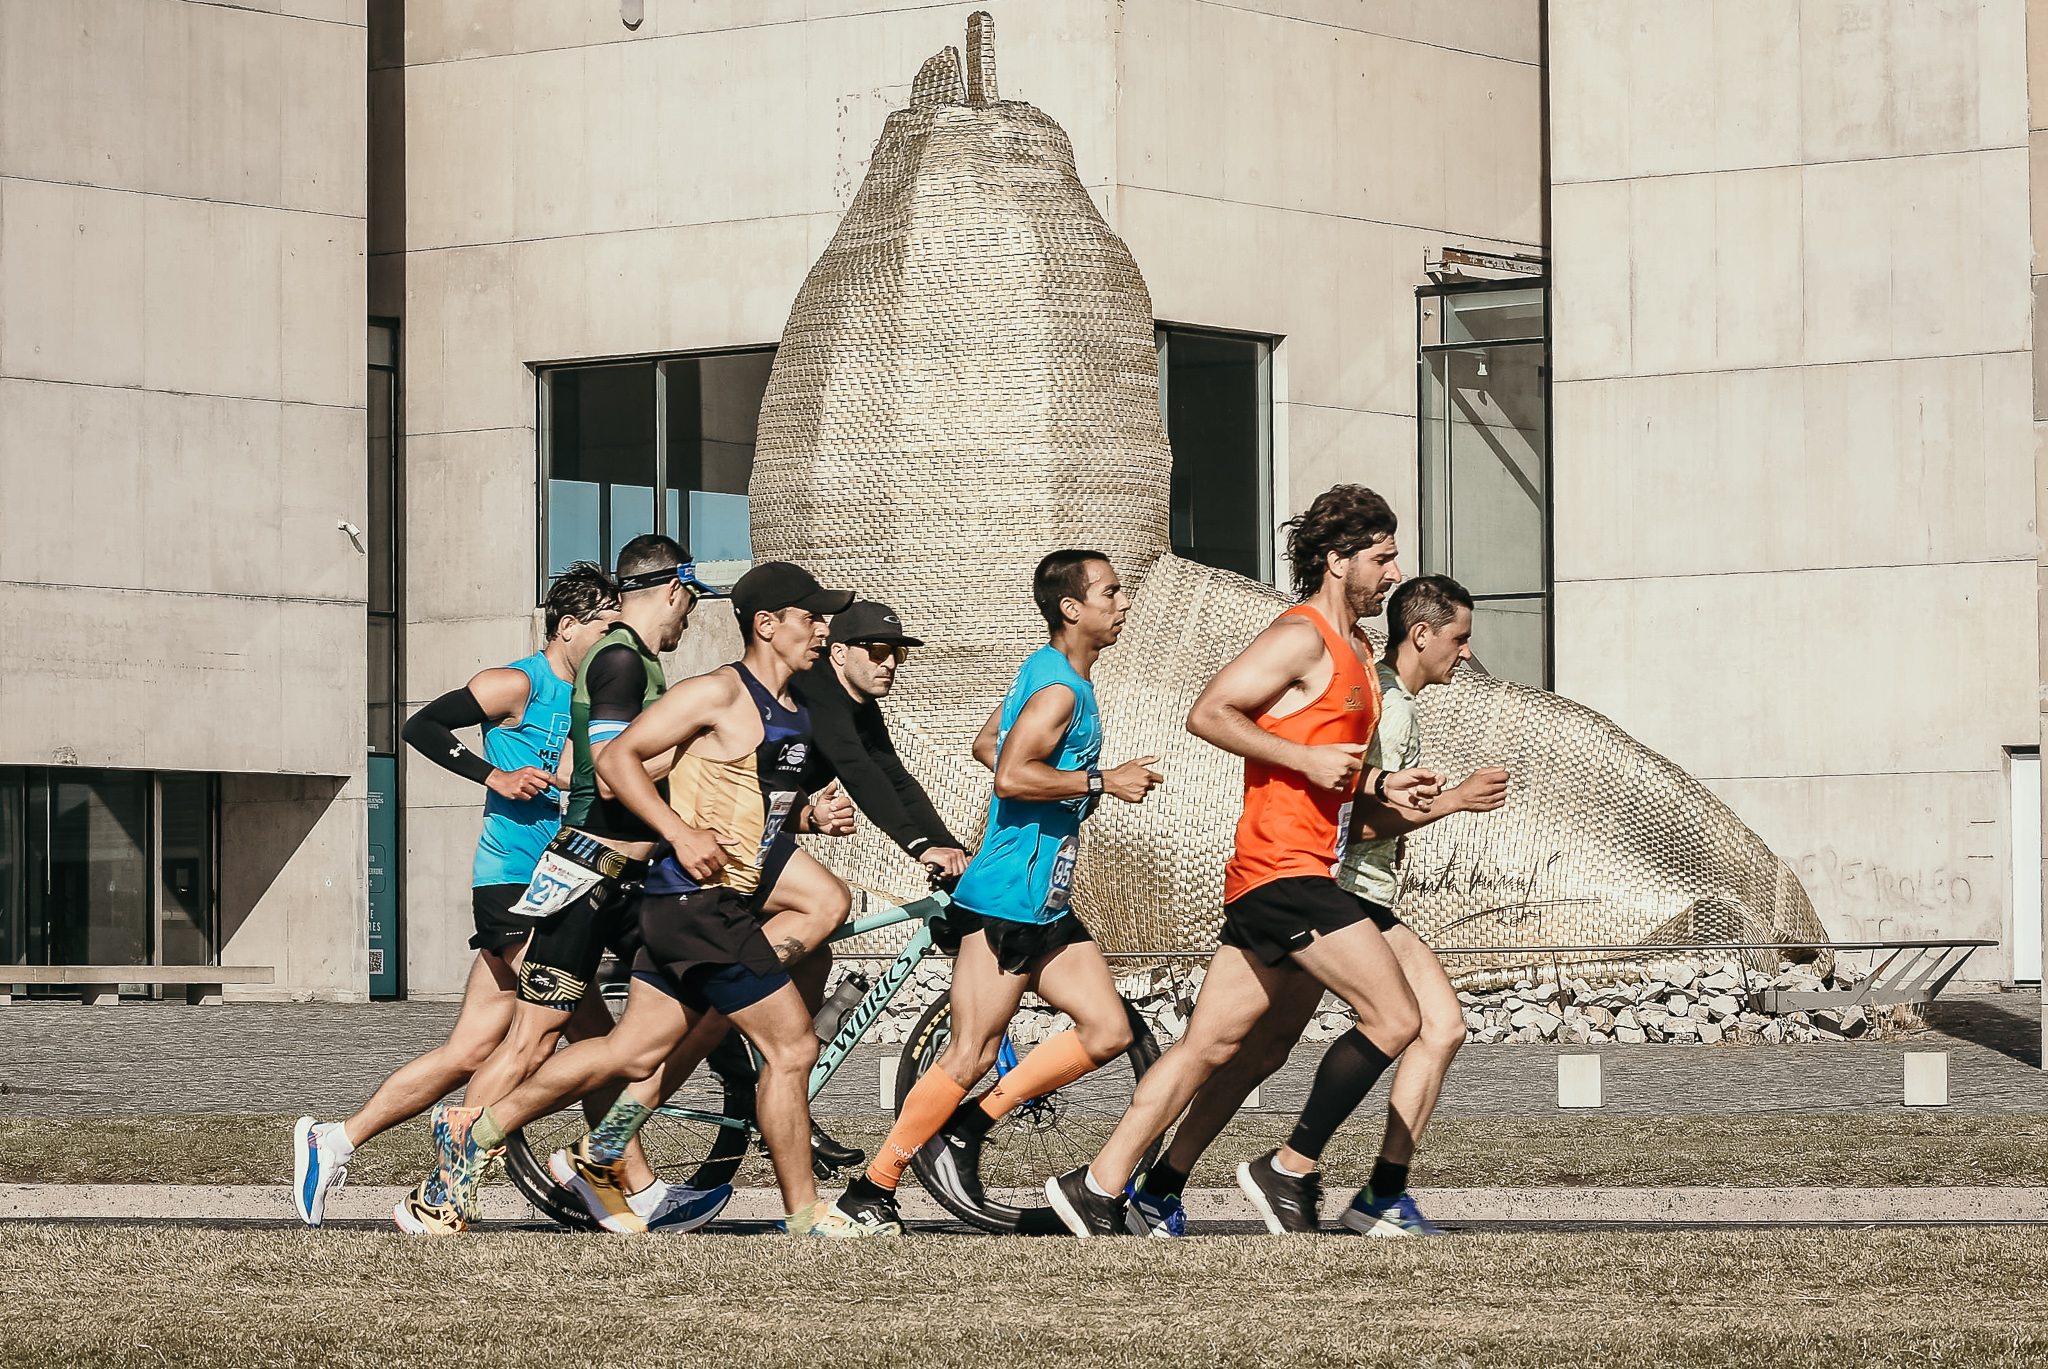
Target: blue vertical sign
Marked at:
383, 877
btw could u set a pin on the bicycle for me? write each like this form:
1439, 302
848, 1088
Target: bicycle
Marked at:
701, 1134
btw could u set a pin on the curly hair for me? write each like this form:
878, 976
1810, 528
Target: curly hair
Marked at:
581, 592
1344, 519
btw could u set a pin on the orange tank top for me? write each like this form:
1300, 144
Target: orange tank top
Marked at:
1289, 826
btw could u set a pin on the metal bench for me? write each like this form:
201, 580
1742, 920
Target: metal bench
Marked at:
100, 984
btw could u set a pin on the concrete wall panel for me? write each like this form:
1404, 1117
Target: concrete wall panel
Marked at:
294, 891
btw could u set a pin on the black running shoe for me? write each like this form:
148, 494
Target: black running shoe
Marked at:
871, 1207
828, 1156
1084, 1211
954, 1157
1286, 1202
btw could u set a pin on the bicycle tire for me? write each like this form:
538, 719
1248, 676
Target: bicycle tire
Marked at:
1101, 1097
683, 1150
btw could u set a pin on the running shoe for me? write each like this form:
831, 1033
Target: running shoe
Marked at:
600, 1187
1286, 1202
1397, 1216
1153, 1214
320, 1152
1081, 1209
865, 1209
954, 1158
418, 1215
685, 1209
463, 1161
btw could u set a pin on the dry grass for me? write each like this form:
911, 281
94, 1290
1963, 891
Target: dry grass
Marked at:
1746, 1152
1759, 1300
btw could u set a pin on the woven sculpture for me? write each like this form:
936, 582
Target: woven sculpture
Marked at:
967, 382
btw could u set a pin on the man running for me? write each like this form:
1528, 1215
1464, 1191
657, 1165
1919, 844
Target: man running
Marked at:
523, 709
1429, 631
1011, 905
718, 946
1300, 705
584, 892
843, 693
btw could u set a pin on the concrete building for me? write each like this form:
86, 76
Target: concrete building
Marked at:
1721, 396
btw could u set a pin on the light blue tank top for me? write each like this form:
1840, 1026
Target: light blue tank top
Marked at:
515, 833
1024, 871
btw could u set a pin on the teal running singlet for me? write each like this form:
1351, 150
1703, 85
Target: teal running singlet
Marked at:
517, 831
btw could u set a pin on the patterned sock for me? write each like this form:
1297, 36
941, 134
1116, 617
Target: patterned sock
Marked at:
930, 1103
609, 1138
1053, 1064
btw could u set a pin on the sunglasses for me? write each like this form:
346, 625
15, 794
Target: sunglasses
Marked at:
879, 652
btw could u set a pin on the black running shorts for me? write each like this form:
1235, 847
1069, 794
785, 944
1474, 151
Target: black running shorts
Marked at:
714, 928
1019, 946
561, 963
497, 931
1284, 915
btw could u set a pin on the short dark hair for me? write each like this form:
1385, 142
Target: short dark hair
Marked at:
1062, 575
651, 551
581, 592
1432, 599
1344, 519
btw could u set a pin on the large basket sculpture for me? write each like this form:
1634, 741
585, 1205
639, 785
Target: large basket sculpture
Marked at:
968, 381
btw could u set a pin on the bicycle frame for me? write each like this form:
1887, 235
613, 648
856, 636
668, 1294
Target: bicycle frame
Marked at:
834, 1053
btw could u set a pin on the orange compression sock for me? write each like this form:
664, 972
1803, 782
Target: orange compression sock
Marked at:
1053, 1064
931, 1101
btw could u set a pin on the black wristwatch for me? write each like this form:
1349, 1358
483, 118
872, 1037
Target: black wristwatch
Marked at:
1379, 787
1094, 783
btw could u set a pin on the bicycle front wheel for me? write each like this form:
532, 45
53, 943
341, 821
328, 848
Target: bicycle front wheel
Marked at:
1042, 1138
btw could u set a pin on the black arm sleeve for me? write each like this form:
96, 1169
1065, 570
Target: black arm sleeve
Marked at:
916, 803
431, 732
847, 753
617, 684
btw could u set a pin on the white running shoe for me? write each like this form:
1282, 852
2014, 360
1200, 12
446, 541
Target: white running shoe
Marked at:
320, 1154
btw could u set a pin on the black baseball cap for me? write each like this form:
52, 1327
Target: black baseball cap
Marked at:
868, 621
776, 585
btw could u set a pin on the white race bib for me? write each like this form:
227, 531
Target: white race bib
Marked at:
556, 884
1343, 831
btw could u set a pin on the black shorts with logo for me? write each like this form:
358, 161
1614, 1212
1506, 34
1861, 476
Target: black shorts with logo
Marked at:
688, 937
562, 959
497, 931
1284, 915
1019, 946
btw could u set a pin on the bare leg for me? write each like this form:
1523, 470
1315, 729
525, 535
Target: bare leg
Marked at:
1264, 1049
1359, 967
807, 905
528, 1043
1237, 992
1420, 1078
414, 1087
634, 1049
780, 1029
1076, 980
984, 1001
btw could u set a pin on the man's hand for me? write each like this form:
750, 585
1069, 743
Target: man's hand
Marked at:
949, 861
1132, 780
832, 812
1416, 788
520, 784
1331, 767
1482, 792
699, 853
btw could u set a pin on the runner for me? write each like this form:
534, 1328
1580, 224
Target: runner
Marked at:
1011, 905
584, 891
523, 709
1429, 631
717, 949
1299, 704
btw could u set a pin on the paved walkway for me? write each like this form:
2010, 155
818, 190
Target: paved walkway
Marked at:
66, 1059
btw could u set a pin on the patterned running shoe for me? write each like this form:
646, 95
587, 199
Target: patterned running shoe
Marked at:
1397, 1216
599, 1185
685, 1209
320, 1152
463, 1161
418, 1215
865, 1209
1153, 1214
1286, 1202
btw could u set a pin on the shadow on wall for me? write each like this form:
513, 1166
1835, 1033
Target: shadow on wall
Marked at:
264, 820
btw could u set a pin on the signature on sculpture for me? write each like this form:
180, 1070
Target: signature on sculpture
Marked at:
968, 381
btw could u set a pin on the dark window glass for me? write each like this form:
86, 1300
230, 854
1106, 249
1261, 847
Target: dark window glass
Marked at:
384, 719
378, 540
601, 472
13, 869
97, 909
382, 541
185, 827
1215, 394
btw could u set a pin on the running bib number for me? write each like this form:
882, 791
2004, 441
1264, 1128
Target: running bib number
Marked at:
556, 884
1343, 832
1061, 890
778, 813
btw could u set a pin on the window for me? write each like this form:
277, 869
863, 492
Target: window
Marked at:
1216, 399
1485, 437
385, 545
664, 446
107, 867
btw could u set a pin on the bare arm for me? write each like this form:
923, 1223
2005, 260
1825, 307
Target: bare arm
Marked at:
657, 767
669, 723
1280, 658
1482, 792
985, 740
1024, 769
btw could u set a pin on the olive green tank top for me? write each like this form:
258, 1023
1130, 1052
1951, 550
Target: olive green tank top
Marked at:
619, 693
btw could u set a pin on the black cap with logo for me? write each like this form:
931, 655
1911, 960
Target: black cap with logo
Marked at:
776, 585
868, 621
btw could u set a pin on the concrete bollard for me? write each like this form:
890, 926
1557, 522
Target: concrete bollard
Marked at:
1578, 1081
885, 1087
1927, 1079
